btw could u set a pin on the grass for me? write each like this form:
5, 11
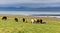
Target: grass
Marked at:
10, 26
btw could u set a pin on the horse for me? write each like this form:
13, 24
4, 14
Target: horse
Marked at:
23, 19
16, 19
4, 18
32, 20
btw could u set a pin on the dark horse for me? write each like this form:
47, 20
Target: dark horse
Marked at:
23, 19
16, 19
39, 21
4, 18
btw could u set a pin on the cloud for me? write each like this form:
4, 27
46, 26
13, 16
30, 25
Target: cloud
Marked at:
45, 3
27, 1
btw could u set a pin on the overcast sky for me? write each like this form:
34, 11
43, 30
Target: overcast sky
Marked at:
28, 1
53, 3
47, 2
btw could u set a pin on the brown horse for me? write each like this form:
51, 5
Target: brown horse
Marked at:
16, 19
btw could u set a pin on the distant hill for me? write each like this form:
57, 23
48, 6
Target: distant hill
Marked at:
31, 9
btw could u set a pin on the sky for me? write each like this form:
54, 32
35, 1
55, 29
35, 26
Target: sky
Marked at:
47, 2
52, 3
28, 1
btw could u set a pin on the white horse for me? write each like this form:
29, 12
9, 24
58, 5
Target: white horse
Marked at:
35, 20
32, 20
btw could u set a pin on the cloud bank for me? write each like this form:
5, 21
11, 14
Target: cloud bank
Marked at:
28, 1
39, 3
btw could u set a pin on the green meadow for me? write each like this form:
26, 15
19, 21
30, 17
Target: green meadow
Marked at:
10, 26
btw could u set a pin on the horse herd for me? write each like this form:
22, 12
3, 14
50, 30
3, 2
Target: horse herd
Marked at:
24, 20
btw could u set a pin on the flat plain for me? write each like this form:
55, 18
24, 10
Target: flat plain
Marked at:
11, 26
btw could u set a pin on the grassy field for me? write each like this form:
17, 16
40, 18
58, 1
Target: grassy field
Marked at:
10, 26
